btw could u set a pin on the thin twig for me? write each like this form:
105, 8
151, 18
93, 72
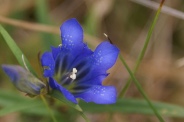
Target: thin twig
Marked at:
43, 28
165, 9
30, 26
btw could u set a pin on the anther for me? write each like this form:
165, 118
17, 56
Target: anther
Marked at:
74, 70
60, 45
73, 74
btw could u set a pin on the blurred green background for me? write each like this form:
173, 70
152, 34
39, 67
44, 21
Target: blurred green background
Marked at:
161, 73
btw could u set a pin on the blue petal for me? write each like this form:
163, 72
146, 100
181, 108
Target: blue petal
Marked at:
67, 61
84, 53
54, 85
12, 72
103, 58
72, 43
99, 94
48, 64
62, 62
72, 36
93, 81
81, 58
55, 51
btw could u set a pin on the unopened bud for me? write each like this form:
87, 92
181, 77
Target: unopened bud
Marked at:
23, 79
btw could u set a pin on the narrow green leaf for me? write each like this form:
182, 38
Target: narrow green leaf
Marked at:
28, 107
140, 57
12, 102
8, 99
19, 107
135, 106
139, 87
15, 49
143, 51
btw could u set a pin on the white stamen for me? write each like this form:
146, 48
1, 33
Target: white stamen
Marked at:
60, 45
73, 74
74, 70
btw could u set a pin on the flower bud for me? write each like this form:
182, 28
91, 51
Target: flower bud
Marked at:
24, 80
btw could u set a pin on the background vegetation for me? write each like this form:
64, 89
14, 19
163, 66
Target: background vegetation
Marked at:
34, 25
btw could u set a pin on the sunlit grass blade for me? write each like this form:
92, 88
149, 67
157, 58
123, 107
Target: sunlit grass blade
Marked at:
56, 94
143, 51
11, 102
132, 106
15, 49
139, 87
20, 106
129, 106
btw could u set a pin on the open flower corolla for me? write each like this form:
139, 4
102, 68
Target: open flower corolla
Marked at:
78, 72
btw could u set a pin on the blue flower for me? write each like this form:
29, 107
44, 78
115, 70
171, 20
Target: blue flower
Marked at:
24, 80
78, 72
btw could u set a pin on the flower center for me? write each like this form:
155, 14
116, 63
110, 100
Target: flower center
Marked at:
67, 78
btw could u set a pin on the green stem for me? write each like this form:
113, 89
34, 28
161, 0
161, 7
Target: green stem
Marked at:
110, 117
141, 89
84, 116
46, 104
142, 53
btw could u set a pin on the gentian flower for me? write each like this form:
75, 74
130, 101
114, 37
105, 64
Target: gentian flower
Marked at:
78, 72
23, 80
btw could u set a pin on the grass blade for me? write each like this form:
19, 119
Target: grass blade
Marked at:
139, 87
143, 51
15, 49
132, 106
